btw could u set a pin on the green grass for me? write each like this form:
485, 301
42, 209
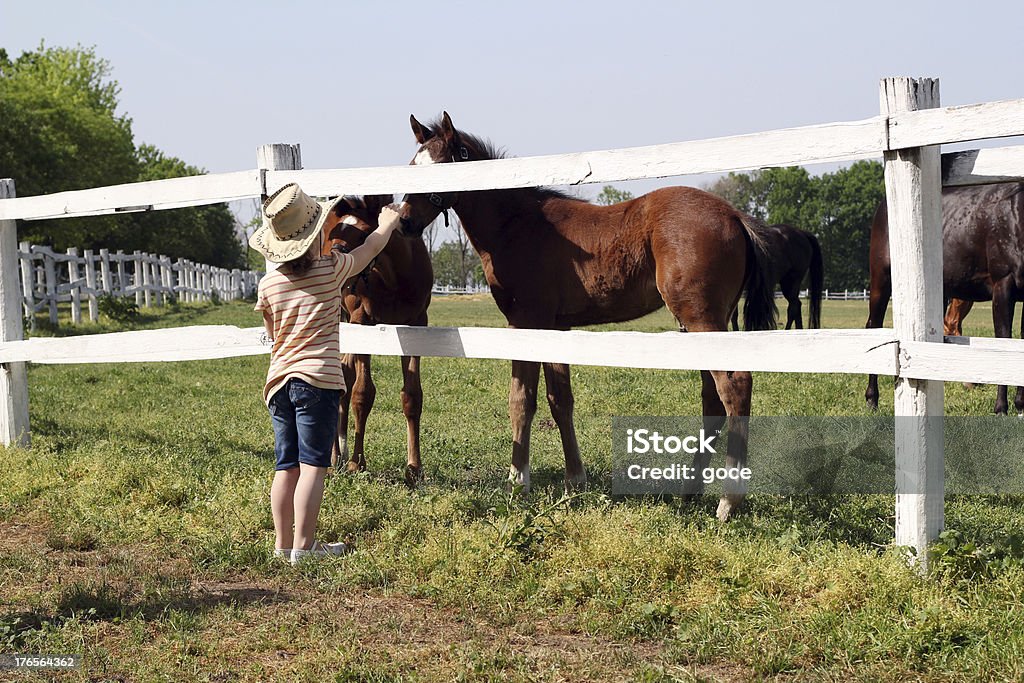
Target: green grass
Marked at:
137, 530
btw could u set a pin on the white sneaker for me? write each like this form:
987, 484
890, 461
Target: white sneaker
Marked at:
283, 554
318, 550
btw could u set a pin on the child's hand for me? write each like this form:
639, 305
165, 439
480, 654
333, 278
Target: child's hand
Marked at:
390, 216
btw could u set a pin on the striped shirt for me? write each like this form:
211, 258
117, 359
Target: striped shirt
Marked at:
305, 311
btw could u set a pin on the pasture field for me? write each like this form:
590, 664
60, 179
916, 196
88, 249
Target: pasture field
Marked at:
137, 531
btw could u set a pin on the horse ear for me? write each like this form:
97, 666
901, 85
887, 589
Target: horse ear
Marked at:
448, 131
421, 132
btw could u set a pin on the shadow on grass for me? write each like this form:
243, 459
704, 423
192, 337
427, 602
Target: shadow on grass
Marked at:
66, 439
81, 602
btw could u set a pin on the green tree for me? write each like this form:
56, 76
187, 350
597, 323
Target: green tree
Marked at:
612, 195
846, 203
745, 191
835, 207
62, 132
205, 234
456, 265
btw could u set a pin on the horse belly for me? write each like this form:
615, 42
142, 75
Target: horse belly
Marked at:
613, 300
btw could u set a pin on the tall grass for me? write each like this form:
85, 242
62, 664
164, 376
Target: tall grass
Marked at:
138, 531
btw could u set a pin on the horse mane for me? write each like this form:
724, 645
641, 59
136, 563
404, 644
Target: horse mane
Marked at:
366, 207
489, 151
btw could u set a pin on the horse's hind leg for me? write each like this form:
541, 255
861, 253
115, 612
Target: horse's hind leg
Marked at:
560, 400
522, 406
363, 394
713, 411
412, 407
1018, 400
791, 290
881, 290
734, 390
1002, 320
339, 457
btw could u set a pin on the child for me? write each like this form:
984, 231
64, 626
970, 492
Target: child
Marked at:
301, 304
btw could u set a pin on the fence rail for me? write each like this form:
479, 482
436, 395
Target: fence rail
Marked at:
906, 134
49, 278
843, 141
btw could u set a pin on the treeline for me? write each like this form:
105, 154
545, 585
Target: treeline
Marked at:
836, 207
60, 130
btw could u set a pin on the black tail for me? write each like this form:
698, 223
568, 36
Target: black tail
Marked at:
759, 311
817, 280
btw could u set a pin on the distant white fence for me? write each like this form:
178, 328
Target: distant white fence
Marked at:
49, 278
444, 290
834, 294
910, 127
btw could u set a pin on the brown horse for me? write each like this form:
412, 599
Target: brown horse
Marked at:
953, 321
982, 260
394, 289
794, 253
556, 262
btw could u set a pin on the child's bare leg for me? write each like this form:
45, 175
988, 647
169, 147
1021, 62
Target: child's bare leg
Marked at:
309, 493
282, 504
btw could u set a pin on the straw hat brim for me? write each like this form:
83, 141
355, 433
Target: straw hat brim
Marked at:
277, 250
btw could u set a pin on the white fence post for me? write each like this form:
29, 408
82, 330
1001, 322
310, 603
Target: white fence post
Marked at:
137, 277
90, 283
142, 263
75, 291
50, 272
122, 282
13, 378
27, 285
105, 277
277, 157
913, 192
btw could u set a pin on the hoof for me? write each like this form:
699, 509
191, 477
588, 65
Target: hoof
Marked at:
519, 480
727, 506
413, 476
576, 483
355, 466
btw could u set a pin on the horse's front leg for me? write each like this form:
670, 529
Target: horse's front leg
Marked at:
522, 406
363, 394
560, 400
412, 407
339, 456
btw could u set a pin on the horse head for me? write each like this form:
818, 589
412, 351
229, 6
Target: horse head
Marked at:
440, 143
357, 218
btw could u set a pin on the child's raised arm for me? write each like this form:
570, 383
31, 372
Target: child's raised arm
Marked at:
376, 240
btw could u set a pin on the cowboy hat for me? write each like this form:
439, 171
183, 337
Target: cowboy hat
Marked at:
292, 220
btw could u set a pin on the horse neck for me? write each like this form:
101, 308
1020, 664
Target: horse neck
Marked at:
485, 216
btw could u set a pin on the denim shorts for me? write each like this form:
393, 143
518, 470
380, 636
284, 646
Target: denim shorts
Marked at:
305, 420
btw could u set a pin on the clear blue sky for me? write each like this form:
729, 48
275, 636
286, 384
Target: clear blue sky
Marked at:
210, 81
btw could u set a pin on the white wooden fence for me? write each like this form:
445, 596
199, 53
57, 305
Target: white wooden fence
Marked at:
907, 132
49, 278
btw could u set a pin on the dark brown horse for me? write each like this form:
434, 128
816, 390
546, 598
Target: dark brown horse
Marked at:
394, 289
556, 262
982, 260
794, 253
